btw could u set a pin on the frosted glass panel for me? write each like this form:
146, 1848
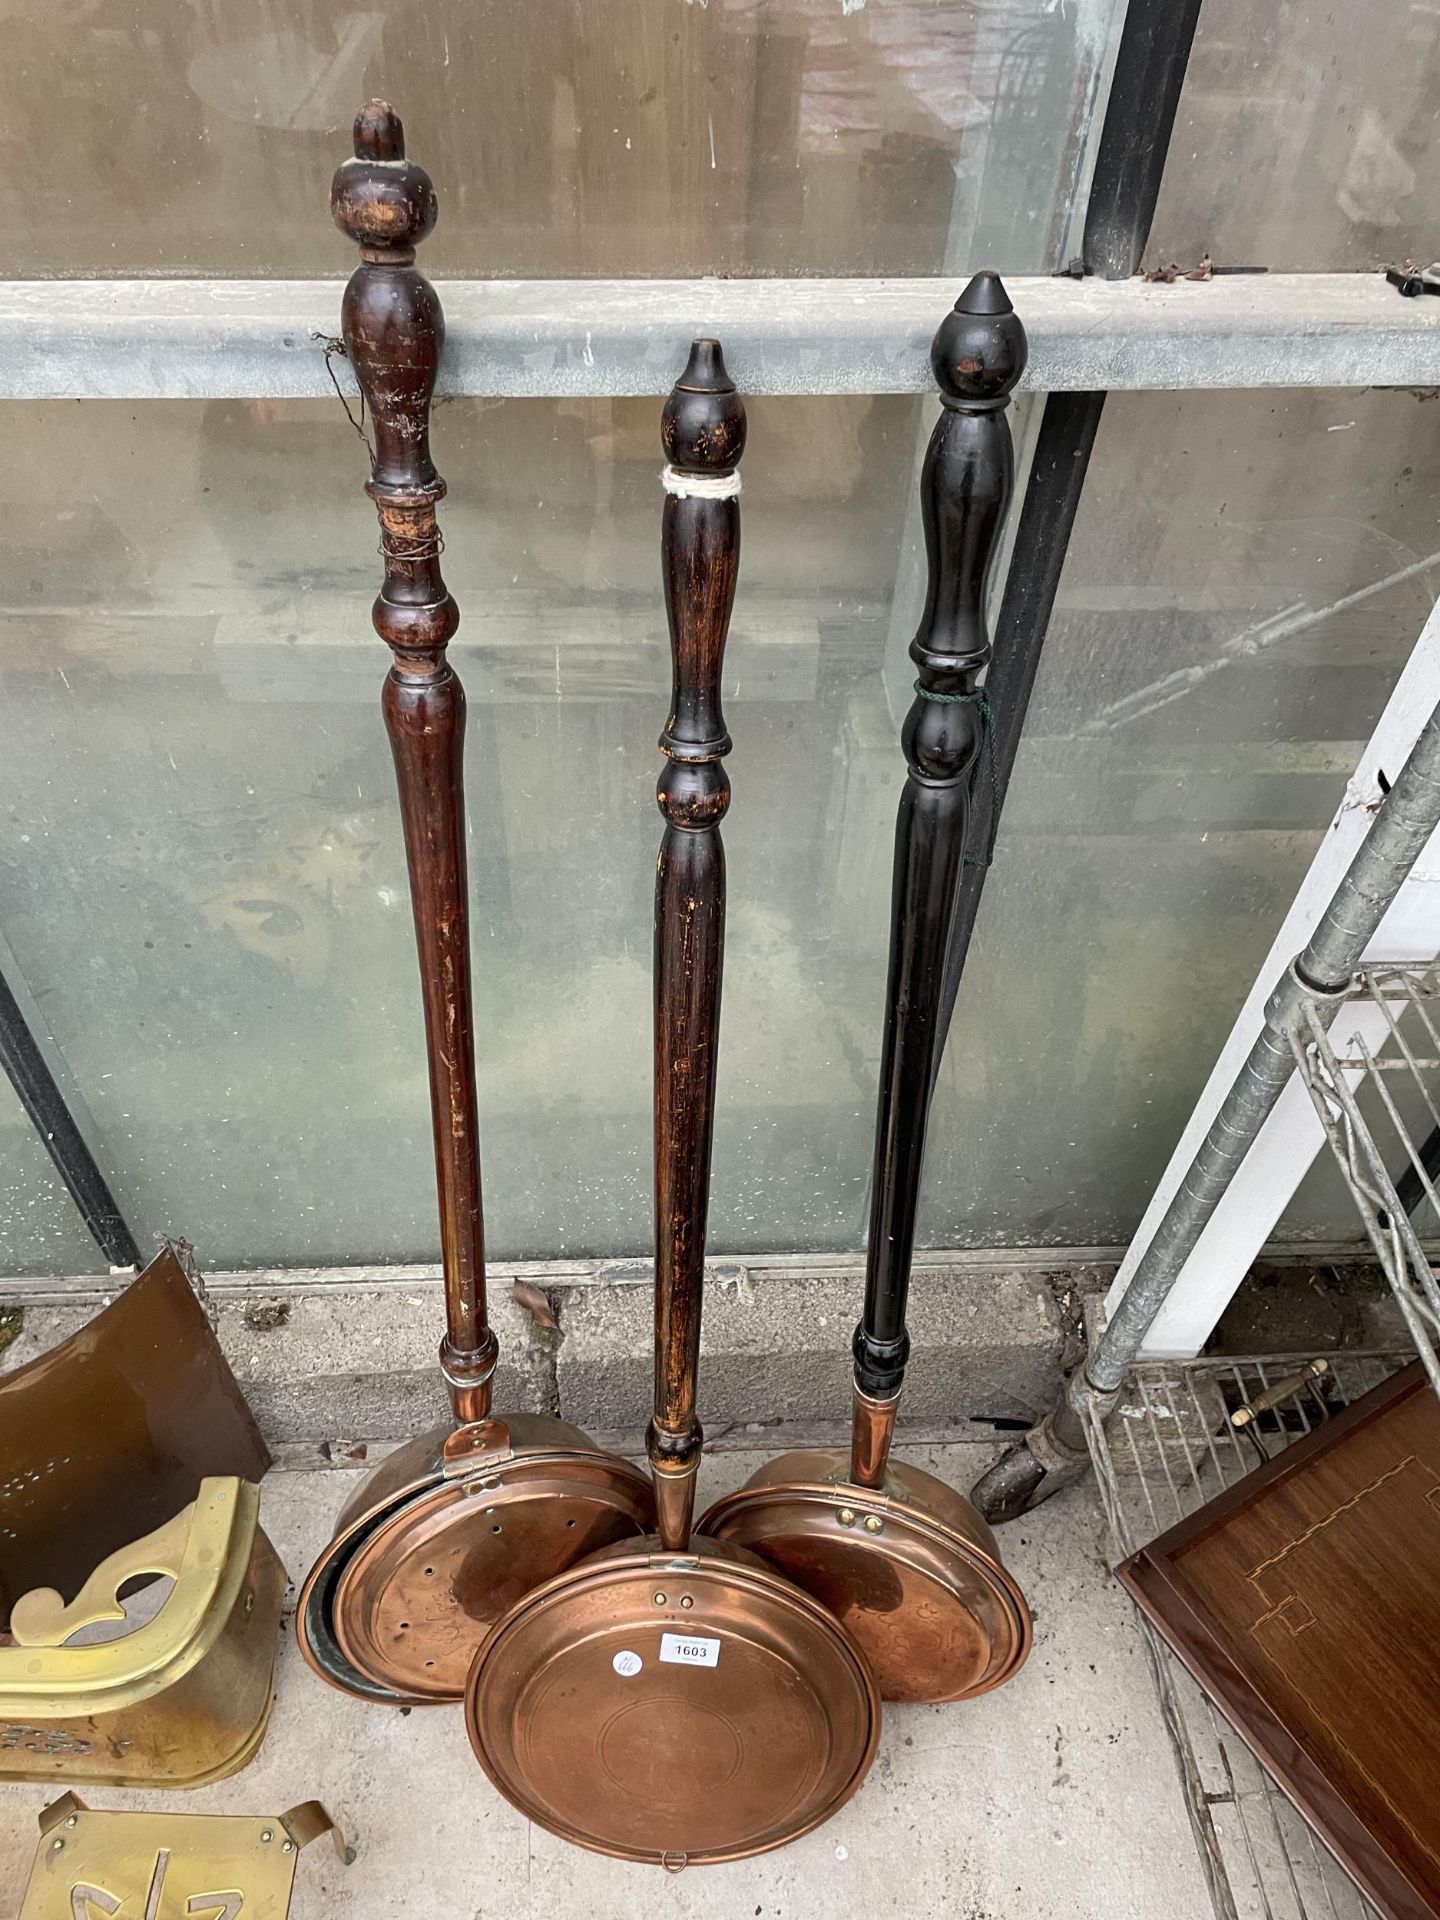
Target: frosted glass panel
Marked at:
201, 867
203, 862
1248, 574
566, 137
1305, 139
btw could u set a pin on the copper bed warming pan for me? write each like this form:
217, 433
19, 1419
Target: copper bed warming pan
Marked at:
905, 1562
112, 1431
674, 1700
457, 1524
178, 1699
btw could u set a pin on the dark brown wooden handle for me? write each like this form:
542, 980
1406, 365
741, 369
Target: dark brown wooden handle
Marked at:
703, 430
978, 355
394, 330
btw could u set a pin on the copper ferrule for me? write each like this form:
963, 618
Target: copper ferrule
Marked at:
469, 1377
871, 1431
674, 1502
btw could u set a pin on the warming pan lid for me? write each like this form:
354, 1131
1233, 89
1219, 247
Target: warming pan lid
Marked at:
674, 1708
913, 1574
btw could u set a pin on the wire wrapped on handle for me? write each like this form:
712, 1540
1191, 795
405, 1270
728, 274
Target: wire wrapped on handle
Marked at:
394, 329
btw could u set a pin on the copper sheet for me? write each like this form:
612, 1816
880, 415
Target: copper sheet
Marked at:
912, 1571
110, 1433
585, 1726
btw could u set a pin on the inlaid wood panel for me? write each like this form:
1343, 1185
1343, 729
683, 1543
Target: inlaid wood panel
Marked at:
1306, 1602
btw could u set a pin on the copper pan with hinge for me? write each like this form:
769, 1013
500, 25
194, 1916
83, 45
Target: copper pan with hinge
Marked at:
902, 1560
675, 1700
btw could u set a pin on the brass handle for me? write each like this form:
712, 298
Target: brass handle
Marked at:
1273, 1396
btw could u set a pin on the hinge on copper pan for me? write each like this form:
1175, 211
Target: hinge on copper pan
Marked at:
476, 1448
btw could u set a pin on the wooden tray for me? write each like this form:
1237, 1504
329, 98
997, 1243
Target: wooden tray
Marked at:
1305, 1600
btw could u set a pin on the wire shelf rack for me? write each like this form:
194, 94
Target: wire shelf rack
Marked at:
1168, 1448
1374, 1079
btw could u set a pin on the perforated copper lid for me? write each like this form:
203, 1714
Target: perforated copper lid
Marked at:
467, 1522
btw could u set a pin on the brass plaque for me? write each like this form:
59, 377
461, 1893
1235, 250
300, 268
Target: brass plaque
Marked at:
170, 1866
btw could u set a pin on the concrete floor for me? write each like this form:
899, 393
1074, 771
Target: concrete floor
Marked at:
1054, 1799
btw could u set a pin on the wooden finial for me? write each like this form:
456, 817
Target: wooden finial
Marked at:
979, 351
382, 200
703, 426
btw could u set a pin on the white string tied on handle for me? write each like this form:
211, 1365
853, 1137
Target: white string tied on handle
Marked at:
700, 486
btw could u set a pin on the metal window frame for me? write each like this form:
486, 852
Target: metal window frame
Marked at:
155, 340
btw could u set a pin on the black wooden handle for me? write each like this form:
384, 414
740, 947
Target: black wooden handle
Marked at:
703, 430
978, 355
394, 330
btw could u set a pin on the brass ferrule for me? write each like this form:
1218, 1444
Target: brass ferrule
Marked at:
674, 1502
871, 1431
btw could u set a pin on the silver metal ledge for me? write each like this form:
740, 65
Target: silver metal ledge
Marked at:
254, 339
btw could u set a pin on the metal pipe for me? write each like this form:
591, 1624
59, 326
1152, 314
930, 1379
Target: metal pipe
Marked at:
1134, 140
1316, 981
40, 1095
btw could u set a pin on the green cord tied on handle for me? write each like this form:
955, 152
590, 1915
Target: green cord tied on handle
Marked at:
980, 700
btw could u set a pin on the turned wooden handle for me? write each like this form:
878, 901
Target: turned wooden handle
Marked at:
394, 330
703, 431
978, 355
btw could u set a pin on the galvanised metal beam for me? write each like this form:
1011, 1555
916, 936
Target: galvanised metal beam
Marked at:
264, 339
